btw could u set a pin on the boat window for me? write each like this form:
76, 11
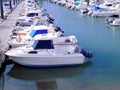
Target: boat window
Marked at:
43, 44
32, 14
108, 4
67, 40
32, 52
29, 1
35, 32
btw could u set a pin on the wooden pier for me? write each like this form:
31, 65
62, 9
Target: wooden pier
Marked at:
6, 27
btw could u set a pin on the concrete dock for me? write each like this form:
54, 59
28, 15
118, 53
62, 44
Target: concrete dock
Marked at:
6, 27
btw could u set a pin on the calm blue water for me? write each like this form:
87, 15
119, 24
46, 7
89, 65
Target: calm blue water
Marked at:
102, 73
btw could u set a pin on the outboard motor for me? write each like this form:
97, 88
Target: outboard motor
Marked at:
50, 21
58, 29
86, 54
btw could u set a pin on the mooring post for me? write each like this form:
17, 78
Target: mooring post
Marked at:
1, 7
10, 6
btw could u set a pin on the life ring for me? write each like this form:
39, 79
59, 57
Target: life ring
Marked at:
20, 36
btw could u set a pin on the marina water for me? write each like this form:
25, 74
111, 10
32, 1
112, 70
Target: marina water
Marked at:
100, 72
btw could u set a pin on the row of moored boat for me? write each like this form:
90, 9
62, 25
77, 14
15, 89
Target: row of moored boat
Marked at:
108, 9
36, 41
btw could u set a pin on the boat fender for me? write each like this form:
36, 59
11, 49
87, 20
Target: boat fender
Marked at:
20, 36
86, 54
37, 17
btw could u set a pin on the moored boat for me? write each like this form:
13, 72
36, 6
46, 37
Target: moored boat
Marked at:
115, 22
37, 32
45, 53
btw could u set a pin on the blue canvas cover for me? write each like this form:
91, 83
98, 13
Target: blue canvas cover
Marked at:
95, 8
6, 4
43, 44
35, 32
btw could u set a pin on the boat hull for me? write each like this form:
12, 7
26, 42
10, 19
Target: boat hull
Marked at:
46, 61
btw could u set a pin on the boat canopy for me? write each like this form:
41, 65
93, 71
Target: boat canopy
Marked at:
35, 32
43, 44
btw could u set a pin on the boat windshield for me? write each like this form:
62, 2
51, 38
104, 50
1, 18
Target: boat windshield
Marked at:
35, 32
43, 44
32, 14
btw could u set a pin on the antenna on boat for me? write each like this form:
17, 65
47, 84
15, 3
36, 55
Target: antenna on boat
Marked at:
34, 23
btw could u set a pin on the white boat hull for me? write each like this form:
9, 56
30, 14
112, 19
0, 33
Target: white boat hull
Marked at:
44, 61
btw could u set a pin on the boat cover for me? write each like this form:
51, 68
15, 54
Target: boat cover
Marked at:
35, 32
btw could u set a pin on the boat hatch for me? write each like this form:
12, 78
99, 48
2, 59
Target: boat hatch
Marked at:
35, 32
43, 44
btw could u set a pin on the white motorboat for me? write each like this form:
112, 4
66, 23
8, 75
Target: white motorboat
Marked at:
115, 22
44, 53
28, 18
105, 13
37, 32
106, 5
35, 22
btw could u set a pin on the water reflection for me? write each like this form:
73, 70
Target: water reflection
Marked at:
40, 79
114, 27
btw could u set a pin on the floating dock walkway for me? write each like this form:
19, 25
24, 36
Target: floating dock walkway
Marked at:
6, 27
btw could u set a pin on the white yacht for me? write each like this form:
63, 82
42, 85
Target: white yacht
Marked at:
49, 52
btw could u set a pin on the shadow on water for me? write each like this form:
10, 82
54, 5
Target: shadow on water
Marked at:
40, 78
